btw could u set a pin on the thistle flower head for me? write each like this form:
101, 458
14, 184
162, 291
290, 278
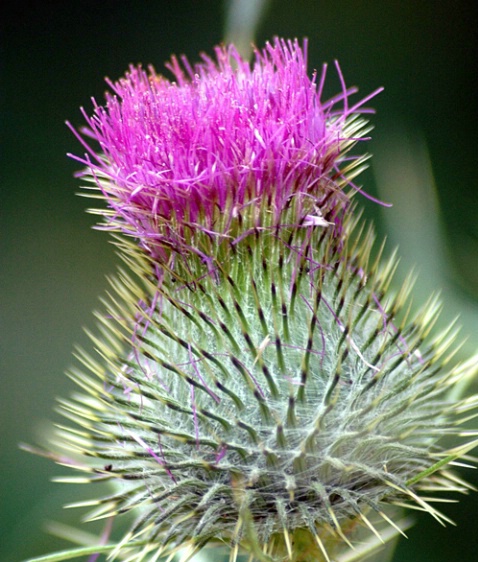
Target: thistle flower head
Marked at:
284, 402
222, 140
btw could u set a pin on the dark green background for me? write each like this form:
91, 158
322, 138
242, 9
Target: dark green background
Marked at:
54, 56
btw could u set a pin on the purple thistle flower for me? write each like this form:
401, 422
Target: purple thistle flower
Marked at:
288, 406
189, 156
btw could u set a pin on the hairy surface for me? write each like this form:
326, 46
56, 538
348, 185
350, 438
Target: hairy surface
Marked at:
285, 395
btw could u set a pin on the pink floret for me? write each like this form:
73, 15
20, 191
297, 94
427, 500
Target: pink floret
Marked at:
222, 135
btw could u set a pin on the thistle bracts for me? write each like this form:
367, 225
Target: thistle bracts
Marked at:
260, 387
288, 398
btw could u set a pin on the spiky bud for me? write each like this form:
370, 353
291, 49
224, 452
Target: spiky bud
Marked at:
260, 386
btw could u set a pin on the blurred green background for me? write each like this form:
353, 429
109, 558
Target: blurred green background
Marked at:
54, 57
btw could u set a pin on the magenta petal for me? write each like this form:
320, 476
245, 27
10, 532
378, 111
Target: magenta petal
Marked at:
194, 151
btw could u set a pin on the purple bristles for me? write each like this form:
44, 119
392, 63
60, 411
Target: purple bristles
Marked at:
192, 152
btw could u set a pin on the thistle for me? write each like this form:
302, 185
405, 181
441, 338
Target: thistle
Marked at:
258, 386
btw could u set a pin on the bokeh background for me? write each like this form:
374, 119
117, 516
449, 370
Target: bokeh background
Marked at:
54, 57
